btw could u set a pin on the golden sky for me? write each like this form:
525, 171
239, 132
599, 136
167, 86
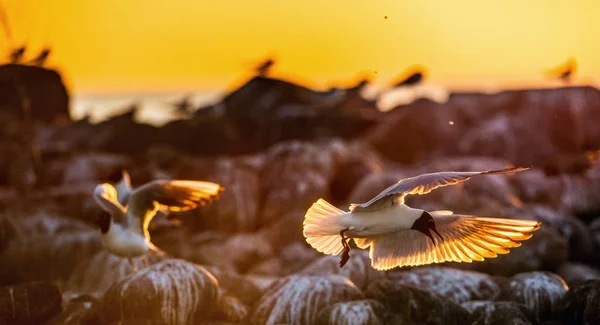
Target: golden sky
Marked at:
152, 45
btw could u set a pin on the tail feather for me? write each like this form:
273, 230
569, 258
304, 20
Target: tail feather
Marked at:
322, 227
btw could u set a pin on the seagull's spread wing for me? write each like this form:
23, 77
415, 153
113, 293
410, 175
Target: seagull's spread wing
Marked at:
422, 184
106, 196
176, 195
465, 239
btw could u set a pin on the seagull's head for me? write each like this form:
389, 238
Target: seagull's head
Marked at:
425, 224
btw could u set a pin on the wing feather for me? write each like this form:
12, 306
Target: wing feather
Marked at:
465, 239
174, 195
422, 184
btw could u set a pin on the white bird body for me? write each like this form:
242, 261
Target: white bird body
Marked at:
373, 223
121, 241
399, 235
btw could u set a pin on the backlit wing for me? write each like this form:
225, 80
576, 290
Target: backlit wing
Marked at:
465, 239
175, 195
422, 184
123, 188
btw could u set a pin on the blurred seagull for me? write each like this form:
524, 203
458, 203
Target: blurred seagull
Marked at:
564, 72
184, 105
17, 54
264, 67
411, 78
41, 58
399, 235
125, 230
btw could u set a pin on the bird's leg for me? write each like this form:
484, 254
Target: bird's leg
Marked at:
145, 260
346, 252
132, 265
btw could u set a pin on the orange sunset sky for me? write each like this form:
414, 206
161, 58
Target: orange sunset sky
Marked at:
150, 45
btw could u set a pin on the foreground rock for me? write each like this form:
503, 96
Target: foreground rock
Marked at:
364, 312
581, 305
170, 292
29, 303
460, 286
407, 304
540, 292
297, 300
97, 273
499, 313
81, 310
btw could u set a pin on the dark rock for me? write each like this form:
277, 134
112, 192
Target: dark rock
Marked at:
409, 123
121, 134
81, 310
533, 187
270, 267
358, 269
500, 313
47, 224
474, 304
576, 273
42, 89
372, 184
237, 207
236, 285
407, 304
296, 256
581, 195
49, 257
266, 110
353, 161
299, 299
238, 252
231, 309
286, 230
581, 247
170, 292
29, 303
95, 168
8, 230
594, 228
581, 305
497, 125
457, 285
352, 312
541, 292
298, 174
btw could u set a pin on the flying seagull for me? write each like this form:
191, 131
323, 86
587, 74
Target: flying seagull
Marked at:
399, 235
125, 228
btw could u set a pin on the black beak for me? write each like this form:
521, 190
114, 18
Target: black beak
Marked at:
431, 237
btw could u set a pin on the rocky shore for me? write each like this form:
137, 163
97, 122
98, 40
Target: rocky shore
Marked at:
277, 147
